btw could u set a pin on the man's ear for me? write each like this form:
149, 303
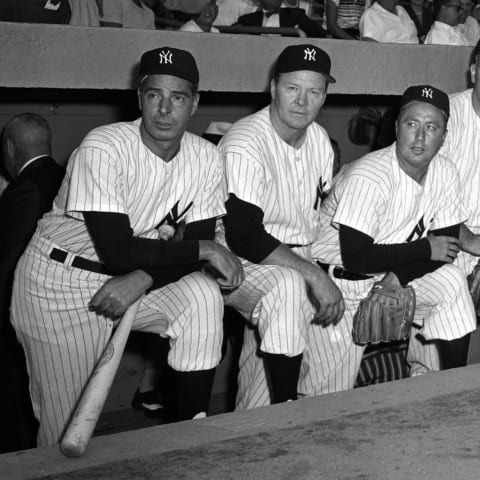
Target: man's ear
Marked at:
139, 96
273, 88
196, 99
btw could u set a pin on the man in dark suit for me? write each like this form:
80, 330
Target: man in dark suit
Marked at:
26, 150
270, 14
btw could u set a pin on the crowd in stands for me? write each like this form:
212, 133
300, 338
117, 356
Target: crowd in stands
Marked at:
446, 22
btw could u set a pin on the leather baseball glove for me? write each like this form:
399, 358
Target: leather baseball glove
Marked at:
385, 315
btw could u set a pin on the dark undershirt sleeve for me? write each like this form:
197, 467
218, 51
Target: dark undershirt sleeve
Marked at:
408, 272
201, 230
361, 255
164, 261
245, 232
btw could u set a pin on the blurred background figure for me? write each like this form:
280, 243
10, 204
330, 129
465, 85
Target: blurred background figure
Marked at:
35, 11
85, 13
342, 17
421, 13
444, 31
128, 14
202, 22
229, 11
467, 24
271, 14
386, 21
35, 179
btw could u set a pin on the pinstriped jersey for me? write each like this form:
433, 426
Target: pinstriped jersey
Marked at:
462, 146
286, 183
375, 196
113, 171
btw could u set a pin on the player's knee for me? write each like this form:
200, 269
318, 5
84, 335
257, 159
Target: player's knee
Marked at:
290, 283
206, 299
454, 282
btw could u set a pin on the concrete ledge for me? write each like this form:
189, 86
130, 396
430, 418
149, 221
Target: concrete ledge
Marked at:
56, 56
395, 423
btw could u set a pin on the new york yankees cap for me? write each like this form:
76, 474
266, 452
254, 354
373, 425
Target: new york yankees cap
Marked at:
304, 57
169, 61
427, 94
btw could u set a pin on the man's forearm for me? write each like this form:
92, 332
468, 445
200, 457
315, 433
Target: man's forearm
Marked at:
285, 257
469, 241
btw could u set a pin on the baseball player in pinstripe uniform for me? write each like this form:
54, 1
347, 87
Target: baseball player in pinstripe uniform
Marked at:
462, 146
128, 186
278, 165
396, 213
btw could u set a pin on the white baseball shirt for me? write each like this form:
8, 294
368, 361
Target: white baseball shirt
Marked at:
113, 171
286, 183
375, 196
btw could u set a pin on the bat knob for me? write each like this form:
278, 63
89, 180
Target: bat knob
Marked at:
71, 448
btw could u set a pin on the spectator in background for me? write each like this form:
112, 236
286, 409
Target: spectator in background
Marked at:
387, 22
229, 11
26, 148
443, 30
343, 17
202, 22
270, 14
35, 11
467, 24
128, 14
422, 16
85, 13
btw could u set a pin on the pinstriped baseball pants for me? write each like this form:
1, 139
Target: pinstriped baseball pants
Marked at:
63, 340
331, 360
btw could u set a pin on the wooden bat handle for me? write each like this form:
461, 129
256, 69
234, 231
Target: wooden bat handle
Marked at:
90, 406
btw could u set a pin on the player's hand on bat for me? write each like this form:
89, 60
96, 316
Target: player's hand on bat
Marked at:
118, 293
443, 248
222, 265
327, 299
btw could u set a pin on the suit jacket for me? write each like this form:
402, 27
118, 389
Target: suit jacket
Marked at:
289, 17
22, 204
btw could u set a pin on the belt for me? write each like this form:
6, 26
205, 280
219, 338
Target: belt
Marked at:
340, 272
78, 262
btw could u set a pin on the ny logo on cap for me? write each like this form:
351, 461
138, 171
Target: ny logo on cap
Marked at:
427, 93
165, 56
309, 54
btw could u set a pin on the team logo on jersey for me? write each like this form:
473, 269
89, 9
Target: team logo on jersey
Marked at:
165, 56
309, 54
173, 225
418, 231
427, 93
320, 194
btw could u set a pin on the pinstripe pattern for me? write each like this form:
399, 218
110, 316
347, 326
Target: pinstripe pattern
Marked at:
376, 187
282, 319
462, 146
373, 195
286, 183
63, 340
113, 171
264, 170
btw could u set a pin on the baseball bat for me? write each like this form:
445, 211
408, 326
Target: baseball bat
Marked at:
89, 407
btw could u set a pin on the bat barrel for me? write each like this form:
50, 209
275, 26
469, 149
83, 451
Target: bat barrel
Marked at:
90, 406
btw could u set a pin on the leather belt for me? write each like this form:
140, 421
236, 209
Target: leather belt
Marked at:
340, 272
78, 262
